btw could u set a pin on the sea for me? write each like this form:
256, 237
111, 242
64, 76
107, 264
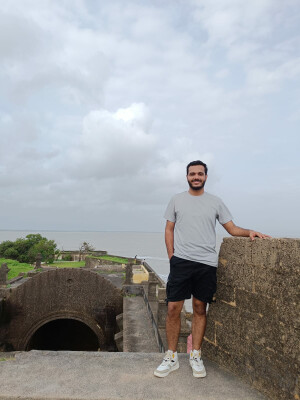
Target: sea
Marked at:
149, 246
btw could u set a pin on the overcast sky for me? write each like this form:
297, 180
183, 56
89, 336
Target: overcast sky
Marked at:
103, 103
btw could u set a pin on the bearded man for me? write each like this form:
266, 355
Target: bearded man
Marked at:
190, 237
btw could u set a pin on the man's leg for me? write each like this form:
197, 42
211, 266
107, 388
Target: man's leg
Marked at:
198, 330
170, 362
173, 323
199, 323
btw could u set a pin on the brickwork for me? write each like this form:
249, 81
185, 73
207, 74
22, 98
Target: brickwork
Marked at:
68, 293
253, 328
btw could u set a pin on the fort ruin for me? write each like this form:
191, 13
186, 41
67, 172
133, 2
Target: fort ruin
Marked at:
253, 327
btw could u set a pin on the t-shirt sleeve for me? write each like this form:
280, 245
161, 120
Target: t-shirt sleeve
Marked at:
224, 214
170, 211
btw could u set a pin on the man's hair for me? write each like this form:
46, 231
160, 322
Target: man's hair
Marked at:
198, 162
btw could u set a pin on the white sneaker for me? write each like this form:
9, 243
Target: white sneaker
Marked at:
197, 364
170, 363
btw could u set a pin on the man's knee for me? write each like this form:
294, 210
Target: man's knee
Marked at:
199, 307
174, 309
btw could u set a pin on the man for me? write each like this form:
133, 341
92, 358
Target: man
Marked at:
191, 240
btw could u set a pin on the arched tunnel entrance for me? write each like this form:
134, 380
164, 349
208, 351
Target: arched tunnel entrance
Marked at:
64, 334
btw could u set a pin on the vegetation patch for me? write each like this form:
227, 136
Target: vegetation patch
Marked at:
15, 267
25, 250
69, 264
118, 260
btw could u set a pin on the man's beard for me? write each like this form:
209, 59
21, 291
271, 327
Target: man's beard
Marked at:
196, 187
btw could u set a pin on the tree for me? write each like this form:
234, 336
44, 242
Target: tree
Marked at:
85, 248
26, 250
11, 252
4, 246
47, 248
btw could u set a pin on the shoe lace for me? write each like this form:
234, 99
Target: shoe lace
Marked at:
197, 357
167, 357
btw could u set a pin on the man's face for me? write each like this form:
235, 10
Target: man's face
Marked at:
196, 177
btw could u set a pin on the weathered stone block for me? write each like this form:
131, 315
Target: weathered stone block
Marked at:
152, 285
226, 293
210, 333
236, 274
209, 350
258, 314
232, 361
162, 308
269, 376
228, 338
182, 344
255, 303
290, 313
3, 274
289, 253
272, 282
161, 294
161, 316
236, 249
265, 252
119, 321
119, 340
128, 274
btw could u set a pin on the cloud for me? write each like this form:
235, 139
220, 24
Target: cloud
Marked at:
112, 143
102, 106
230, 21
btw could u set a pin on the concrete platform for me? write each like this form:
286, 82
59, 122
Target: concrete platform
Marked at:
138, 334
42, 375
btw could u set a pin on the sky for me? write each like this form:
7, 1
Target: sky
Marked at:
104, 103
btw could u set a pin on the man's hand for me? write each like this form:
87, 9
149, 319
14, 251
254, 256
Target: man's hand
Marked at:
234, 230
253, 234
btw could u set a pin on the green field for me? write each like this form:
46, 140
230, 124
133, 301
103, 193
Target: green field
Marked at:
15, 267
68, 264
118, 260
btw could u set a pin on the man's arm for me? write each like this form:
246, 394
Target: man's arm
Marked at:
169, 237
234, 230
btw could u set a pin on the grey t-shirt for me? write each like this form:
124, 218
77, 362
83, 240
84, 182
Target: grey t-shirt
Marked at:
195, 225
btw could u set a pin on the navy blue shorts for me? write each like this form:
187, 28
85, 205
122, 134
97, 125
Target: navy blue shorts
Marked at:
188, 278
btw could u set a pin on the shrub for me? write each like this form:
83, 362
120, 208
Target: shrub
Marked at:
11, 252
26, 250
67, 257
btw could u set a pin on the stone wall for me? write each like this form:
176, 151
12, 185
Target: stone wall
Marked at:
104, 265
253, 328
66, 293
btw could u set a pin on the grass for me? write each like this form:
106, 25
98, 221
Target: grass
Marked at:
15, 267
68, 264
118, 260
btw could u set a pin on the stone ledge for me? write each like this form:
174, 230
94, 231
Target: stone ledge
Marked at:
44, 375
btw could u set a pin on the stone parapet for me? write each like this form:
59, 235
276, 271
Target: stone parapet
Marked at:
253, 328
60, 294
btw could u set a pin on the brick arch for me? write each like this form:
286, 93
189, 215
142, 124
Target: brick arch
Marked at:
63, 293
90, 323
